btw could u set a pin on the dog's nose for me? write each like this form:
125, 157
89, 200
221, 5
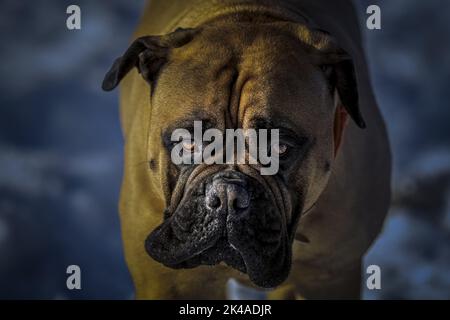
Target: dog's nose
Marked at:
235, 197
231, 193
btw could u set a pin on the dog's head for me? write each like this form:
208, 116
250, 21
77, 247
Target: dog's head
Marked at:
274, 75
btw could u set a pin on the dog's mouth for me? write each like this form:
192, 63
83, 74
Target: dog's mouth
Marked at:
230, 219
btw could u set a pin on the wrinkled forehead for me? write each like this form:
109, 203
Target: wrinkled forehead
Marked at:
239, 74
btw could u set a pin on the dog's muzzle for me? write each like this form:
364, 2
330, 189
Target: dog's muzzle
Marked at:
229, 217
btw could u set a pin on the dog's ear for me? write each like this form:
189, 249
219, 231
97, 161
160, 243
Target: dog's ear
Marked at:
337, 66
148, 54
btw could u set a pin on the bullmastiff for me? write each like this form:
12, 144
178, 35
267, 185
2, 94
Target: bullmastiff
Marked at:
294, 65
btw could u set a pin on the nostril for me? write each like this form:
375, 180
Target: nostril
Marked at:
240, 203
238, 197
213, 201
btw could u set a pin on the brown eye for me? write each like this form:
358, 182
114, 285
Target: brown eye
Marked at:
279, 149
189, 146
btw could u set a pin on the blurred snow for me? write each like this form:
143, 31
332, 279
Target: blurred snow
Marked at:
61, 149
411, 71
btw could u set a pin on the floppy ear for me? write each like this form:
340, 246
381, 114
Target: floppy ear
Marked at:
337, 66
343, 77
148, 54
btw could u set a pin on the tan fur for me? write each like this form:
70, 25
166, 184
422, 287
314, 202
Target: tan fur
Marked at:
350, 202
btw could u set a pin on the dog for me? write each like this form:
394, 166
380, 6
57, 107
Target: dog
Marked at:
294, 65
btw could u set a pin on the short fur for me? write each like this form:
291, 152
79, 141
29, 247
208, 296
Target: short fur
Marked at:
298, 62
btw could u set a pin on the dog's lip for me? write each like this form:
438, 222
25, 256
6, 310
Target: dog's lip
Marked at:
182, 259
254, 277
183, 262
222, 249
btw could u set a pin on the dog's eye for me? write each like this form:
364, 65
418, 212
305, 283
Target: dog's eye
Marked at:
280, 149
189, 146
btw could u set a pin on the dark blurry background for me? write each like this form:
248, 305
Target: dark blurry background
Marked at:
61, 147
